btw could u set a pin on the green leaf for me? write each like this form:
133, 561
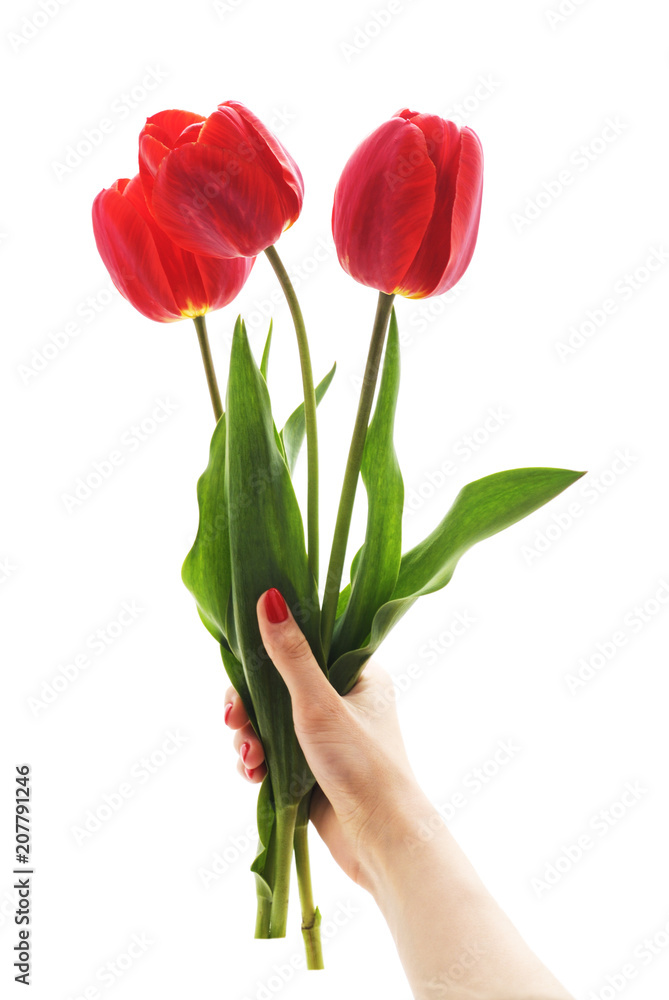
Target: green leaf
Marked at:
267, 549
375, 568
265, 819
481, 509
206, 569
294, 430
265, 354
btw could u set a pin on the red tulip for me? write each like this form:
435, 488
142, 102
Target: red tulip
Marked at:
407, 206
159, 278
222, 186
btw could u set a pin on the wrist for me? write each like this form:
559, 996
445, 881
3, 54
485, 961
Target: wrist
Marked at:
409, 839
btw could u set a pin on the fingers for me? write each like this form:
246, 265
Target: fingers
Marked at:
254, 775
251, 763
291, 654
234, 713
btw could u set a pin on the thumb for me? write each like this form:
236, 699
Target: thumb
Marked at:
290, 652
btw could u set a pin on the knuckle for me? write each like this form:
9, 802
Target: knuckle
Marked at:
296, 647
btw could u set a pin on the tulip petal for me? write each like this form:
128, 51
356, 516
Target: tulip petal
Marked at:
208, 205
443, 145
231, 126
451, 237
383, 204
466, 210
160, 134
129, 253
199, 284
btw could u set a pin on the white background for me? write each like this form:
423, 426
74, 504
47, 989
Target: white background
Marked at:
539, 87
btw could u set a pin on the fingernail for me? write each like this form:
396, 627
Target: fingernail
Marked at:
243, 750
226, 712
250, 771
275, 606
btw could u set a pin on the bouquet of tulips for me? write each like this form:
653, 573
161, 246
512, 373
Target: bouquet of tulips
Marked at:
179, 240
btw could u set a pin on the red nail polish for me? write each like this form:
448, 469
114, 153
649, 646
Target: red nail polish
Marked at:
226, 712
243, 750
250, 771
275, 606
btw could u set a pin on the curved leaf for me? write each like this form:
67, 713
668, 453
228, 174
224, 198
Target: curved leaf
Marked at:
481, 509
265, 354
294, 429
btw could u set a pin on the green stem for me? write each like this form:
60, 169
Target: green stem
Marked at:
203, 339
309, 408
311, 918
343, 523
284, 832
264, 905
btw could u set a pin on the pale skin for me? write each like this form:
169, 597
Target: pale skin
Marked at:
454, 941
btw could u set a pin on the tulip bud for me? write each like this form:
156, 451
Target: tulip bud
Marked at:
407, 206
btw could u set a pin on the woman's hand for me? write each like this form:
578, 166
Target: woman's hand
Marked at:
352, 744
